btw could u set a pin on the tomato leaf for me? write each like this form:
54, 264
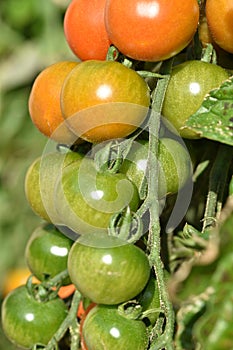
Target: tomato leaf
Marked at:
214, 119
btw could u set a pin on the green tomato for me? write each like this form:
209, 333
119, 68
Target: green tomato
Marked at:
106, 269
174, 165
86, 199
26, 321
189, 83
105, 328
47, 252
40, 181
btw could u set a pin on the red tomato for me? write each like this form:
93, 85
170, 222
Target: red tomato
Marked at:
151, 30
219, 15
84, 29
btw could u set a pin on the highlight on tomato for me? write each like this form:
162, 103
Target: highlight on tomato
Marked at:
151, 30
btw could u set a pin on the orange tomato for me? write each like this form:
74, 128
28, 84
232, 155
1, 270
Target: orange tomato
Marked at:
219, 15
102, 100
44, 102
151, 30
84, 29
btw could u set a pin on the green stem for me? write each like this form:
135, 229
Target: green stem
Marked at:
68, 322
154, 244
217, 183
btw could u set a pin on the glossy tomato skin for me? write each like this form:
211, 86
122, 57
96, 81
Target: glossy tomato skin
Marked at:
47, 252
85, 31
105, 328
174, 165
106, 270
219, 15
151, 30
104, 100
190, 82
86, 199
26, 321
40, 181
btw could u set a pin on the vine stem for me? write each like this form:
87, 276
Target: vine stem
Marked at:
68, 322
217, 181
165, 340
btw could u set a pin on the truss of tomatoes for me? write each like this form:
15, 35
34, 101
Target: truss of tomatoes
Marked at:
102, 99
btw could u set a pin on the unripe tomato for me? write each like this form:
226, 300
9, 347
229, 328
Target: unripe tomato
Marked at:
86, 199
104, 100
85, 31
219, 15
151, 30
190, 82
105, 328
27, 322
107, 270
47, 252
174, 165
40, 181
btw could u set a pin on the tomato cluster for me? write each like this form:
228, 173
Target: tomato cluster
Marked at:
110, 163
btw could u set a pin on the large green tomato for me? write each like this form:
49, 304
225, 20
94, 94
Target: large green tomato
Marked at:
40, 182
27, 322
105, 328
174, 165
47, 252
106, 269
189, 83
86, 199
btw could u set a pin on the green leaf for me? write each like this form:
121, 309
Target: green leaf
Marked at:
214, 119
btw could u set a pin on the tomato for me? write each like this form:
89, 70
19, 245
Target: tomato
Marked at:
40, 181
219, 15
44, 102
174, 165
47, 252
190, 82
105, 328
26, 321
107, 270
86, 199
84, 29
151, 30
104, 100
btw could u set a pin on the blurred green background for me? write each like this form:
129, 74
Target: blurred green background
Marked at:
31, 38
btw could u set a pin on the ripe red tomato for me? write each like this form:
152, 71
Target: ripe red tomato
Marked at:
151, 30
219, 15
84, 29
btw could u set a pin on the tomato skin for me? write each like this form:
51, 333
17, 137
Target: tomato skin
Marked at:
151, 31
189, 83
84, 29
106, 272
174, 165
219, 15
105, 328
40, 180
47, 252
104, 100
86, 199
149, 299
26, 321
